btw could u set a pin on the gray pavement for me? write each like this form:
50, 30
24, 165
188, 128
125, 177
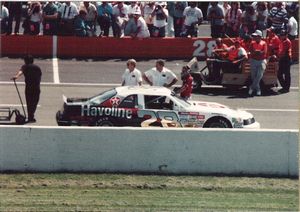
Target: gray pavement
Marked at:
83, 78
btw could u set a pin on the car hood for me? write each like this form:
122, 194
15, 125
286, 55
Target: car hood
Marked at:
214, 107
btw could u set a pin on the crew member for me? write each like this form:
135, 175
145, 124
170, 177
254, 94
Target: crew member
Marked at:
258, 55
160, 76
285, 55
187, 83
273, 42
131, 76
32, 74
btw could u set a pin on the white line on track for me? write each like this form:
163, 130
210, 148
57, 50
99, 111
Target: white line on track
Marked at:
270, 110
15, 105
55, 61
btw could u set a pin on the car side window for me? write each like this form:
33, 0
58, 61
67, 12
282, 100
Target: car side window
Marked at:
129, 102
158, 102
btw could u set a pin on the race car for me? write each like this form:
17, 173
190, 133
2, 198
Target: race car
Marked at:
146, 106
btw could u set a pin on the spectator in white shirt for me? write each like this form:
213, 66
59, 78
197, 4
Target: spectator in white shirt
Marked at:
292, 27
160, 76
192, 18
142, 29
131, 76
160, 15
120, 19
147, 11
67, 11
4, 15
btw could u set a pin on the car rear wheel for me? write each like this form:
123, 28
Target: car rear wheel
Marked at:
217, 123
104, 123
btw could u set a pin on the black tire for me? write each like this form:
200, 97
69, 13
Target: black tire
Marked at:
104, 123
217, 123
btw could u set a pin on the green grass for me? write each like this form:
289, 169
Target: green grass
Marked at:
112, 192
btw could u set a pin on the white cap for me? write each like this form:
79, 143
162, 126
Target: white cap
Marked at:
257, 33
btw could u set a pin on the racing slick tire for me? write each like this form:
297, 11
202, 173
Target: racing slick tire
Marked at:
217, 122
104, 123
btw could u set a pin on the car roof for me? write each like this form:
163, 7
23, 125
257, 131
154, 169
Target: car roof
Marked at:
145, 90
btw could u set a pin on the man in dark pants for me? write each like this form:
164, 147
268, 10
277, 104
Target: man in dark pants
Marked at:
32, 74
285, 55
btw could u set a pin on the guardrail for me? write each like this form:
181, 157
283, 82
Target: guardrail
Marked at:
149, 150
109, 47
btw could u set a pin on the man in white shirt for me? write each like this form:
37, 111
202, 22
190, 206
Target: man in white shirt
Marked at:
292, 27
131, 76
192, 17
160, 76
160, 15
4, 15
67, 12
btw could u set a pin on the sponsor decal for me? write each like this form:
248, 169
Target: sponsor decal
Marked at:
201, 117
115, 101
86, 110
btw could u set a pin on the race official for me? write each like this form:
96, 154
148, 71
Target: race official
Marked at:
258, 54
131, 76
32, 74
160, 76
187, 83
285, 55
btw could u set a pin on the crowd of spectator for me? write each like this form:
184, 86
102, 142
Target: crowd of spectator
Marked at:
148, 19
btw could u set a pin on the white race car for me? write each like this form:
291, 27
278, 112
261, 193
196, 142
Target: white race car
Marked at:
145, 106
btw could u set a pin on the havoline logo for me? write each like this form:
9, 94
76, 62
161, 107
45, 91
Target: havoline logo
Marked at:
86, 110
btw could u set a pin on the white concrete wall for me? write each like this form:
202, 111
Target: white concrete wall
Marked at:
156, 150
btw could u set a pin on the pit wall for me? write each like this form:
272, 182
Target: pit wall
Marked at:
149, 150
109, 47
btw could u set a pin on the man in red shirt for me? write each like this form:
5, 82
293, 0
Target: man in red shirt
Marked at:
273, 42
285, 55
258, 54
187, 83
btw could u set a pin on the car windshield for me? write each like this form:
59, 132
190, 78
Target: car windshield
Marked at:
180, 100
98, 99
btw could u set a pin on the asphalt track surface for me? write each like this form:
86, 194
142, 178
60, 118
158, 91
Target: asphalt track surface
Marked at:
84, 78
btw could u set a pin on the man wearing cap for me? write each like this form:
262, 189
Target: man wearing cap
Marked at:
160, 76
258, 54
142, 28
285, 55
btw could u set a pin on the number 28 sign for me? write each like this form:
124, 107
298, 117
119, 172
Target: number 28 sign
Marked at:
203, 48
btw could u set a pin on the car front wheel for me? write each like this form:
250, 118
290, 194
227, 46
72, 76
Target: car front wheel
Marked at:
217, 123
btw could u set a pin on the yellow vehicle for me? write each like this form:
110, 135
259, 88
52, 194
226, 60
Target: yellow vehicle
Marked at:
232, 80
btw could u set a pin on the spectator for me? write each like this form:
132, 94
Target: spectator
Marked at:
160, 15
35, 14
131, 24
142, 29
67, 11
170, 19
104, 17
4, 16
147, 11
278, 17
292, 27
15, 13
216, 16
50, 16
80, 26
233, 19
248, 21
187, 83
90, 18
273, 42
132, 76
32, 74
178, 18
225, 6
245, 43
160, 76
120, 19
262, 15
258, 54
192, 18
285, 55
